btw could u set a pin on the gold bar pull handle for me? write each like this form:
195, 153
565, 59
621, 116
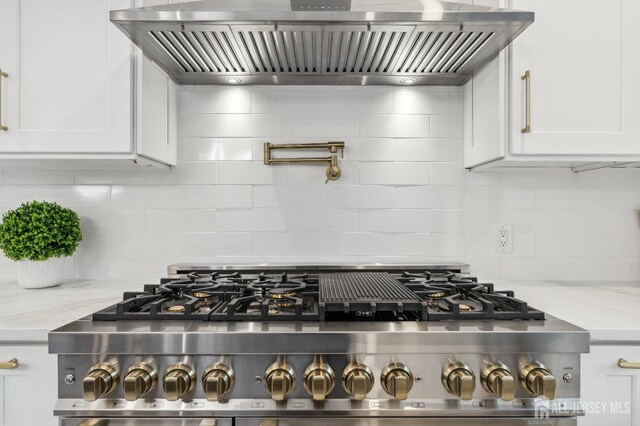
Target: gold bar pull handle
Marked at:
10, 365
2, 126
623, 363
527, 79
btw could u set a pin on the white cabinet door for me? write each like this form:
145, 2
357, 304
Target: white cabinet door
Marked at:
611, 394
70, 82
584, 62
157, 100
28, 393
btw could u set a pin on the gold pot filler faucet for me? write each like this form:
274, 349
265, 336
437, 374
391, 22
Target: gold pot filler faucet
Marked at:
333, 170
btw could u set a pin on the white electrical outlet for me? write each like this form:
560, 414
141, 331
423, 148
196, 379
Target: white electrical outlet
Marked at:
504, 238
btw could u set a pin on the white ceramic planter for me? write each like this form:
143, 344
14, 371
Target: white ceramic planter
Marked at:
41, 274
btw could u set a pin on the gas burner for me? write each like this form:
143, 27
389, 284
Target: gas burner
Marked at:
178, 309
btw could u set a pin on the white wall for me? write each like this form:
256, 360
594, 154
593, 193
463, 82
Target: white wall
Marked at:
403, 196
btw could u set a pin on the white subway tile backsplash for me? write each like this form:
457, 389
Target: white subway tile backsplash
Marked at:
537, 221
500, 198
77, 196
252, 220
315, 174
455, 174
394, 126
404, 196
110, 177
181, 220
430, 244
185, 173
621, 198
322, 220
480, 244
33, 177
209, 149
620, 222
535, 268
181, 196
338, 126
620, 245
464, 221
430, 197
11, 196
446, 126
370, 150
251, 125
394, 174
570, 198
198, 125
394, 221
424, 101
570, 245
251, 173
330, 100
214, 244
220, 100
429, 150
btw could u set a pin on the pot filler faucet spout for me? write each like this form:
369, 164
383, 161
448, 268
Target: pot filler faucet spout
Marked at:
333, 170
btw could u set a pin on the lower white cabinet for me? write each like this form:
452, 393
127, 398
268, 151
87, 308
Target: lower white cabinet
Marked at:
28, 393
611, 394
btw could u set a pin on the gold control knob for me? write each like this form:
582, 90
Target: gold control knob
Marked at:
397, 380
458, 379
101, 379
497, 379
139, 380
217, 381
279, 379
179, 380
319, 378
357, 380
536, 379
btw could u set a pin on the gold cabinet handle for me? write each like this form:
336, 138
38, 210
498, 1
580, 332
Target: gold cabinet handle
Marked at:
2, 126
10, 365
527, 79
623, 363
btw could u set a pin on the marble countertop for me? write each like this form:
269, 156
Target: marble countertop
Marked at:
609, 310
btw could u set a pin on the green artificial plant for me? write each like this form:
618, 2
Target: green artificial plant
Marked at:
39, 230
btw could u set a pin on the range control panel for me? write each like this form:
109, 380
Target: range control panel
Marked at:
321, 5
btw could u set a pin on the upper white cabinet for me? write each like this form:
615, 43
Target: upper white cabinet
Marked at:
75, 86
580, 101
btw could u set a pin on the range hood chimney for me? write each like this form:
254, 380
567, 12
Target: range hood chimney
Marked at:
321, 42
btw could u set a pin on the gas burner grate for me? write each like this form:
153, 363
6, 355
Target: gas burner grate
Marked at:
413, 295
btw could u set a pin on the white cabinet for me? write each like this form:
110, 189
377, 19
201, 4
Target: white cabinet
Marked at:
582, 104
76, 88
611, 394
28, 393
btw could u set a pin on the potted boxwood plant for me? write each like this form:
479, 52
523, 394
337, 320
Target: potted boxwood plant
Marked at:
39, 234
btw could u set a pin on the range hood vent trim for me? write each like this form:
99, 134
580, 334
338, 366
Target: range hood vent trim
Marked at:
209, 42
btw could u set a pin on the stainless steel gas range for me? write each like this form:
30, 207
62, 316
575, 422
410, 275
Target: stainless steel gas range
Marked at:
401, 345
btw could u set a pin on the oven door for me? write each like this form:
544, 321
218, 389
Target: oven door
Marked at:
460, 421
76, 421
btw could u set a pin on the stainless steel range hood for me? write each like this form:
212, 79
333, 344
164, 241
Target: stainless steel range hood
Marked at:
337, 42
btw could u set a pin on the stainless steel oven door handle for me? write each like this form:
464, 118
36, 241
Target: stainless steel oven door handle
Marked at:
85, 421
424, 421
